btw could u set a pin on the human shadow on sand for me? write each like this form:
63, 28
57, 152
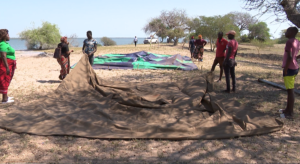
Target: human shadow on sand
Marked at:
49, 81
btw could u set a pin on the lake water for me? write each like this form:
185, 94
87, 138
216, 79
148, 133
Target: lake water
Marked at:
19, 44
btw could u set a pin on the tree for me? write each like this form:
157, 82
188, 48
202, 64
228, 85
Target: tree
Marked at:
172, 23
259, 31
107, 41
43, 37
210, 26
282, 9
242, 20
156, 26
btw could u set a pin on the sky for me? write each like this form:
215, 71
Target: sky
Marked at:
117, 18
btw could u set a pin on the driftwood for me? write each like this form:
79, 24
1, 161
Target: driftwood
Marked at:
276, 85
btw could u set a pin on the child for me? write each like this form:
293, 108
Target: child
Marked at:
290, 70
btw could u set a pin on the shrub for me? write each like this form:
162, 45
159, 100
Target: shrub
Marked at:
108, 42
43, 37
261, 44
245, 39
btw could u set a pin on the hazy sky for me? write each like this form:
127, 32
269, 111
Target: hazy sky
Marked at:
115, 18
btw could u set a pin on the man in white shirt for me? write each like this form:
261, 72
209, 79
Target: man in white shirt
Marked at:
135, 40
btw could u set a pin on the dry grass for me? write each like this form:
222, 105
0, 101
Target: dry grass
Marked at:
30, 82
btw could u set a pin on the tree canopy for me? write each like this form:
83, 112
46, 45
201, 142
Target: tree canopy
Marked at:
169, 23
209, 27
282, 9
259, 31
43, 37
242, 20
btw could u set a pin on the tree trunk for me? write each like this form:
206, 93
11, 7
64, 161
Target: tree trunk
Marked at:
176, 42
291, 12
211, 48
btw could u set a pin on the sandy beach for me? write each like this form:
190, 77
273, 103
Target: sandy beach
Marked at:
36, 76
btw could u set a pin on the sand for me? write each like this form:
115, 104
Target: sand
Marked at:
37, 76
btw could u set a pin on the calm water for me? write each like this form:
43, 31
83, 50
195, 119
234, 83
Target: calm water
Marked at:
19, 44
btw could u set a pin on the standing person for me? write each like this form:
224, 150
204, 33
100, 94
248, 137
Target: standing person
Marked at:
89, 47
199, 43
64, 59
7, 65
290, 70
135, 41
192, 46
229, 62
220, 54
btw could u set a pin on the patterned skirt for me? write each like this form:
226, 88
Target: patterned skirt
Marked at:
4, 78
64, 64
198, 52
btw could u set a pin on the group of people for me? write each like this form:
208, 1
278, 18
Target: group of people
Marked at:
225, 57
196, 47
89, 48
227, 51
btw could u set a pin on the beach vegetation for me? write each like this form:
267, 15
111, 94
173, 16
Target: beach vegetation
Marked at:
44, 37
107, 41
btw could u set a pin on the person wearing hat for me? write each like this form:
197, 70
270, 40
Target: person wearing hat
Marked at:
220, 54
199, 43
192, 46
229, 62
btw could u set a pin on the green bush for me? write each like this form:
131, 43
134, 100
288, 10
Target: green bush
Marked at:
245, 39
44, 37
259, 45
108, 42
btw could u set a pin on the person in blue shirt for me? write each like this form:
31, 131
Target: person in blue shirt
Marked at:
89, 47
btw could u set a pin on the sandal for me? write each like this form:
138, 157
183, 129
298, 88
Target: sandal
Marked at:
8, 101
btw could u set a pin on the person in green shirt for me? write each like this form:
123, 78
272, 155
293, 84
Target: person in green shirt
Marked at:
7, 65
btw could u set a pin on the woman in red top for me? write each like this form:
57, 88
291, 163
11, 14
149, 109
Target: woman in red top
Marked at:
199, 43
220, 54
229, 62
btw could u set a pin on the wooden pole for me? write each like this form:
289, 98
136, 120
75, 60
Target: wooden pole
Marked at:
276, 85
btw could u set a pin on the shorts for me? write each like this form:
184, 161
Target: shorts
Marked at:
289, 79
219, 60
